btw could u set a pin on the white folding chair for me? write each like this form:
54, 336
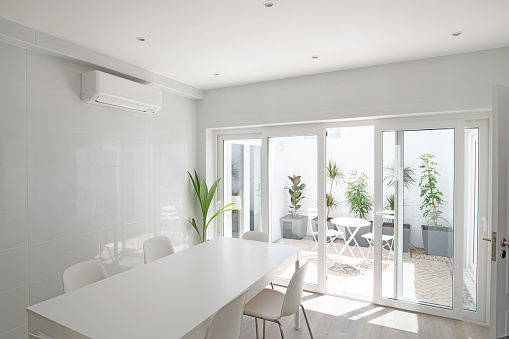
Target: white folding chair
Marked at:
156, 248
387, 243
82, 274
330, 235
228, 320
272, 305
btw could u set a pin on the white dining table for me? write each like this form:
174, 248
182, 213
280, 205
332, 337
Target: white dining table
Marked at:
173, 297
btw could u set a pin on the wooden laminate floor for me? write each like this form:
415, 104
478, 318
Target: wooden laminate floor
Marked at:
334, 317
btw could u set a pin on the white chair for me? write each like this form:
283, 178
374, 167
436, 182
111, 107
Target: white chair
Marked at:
257, 236
387, 243
330, 235
157, 248
82, 274
228, 320
272, 305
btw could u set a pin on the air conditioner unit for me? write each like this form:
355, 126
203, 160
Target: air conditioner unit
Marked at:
108, 90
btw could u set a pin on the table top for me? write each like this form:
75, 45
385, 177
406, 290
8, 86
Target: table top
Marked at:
169, 297
351, 222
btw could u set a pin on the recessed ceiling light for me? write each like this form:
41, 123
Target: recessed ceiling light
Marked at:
139, 38
268, 3
315, 56
216, 74
457, 33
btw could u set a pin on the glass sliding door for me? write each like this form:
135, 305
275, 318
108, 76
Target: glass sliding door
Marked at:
422, 229
242, 178
293, 202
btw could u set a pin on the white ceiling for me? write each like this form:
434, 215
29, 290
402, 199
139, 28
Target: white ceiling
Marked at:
245, 42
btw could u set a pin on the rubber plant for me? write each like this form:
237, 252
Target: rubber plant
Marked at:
358, 199
205, 197
295, 194
432, 197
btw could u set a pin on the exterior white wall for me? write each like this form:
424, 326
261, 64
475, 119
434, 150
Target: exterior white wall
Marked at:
80, 181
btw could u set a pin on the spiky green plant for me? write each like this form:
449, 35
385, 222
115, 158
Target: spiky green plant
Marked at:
358, 199
205, 197
334, 176
295, 194
432, 197
408, 175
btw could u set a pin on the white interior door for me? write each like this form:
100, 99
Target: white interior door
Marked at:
499, 310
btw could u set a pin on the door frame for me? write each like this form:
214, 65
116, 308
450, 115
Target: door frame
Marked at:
319, 132
250, 132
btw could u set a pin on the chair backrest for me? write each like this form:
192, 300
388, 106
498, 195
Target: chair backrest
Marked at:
156, 248
228, 320
293, 296
82, 274
256, 236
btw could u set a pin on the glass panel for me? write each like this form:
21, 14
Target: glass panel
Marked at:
470, 272
242, 186
418, 186
349, 189
293, 197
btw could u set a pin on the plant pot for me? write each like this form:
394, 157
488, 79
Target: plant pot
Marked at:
437, 241
294, 227
388, 229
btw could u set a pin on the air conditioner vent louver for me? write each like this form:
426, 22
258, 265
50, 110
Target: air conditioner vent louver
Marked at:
108, 90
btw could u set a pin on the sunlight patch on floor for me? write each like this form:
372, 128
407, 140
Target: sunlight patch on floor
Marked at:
398, 320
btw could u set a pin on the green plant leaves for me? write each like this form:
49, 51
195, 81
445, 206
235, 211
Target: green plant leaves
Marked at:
358, 199
205, 197
295, 192
432, 197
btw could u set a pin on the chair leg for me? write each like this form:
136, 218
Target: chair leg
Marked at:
272, 285
264, 328
280, 329
307, 322
256, 326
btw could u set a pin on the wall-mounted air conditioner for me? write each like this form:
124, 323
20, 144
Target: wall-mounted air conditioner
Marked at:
108, 90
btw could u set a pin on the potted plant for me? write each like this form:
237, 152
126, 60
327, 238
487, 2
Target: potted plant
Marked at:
294, 225
437, 238
359, 201
408, 181
205, 197
334, 177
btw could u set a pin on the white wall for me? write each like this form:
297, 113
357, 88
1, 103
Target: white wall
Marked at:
81, 182
435, 85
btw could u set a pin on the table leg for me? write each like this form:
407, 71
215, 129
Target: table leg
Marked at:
352, 237
297, 314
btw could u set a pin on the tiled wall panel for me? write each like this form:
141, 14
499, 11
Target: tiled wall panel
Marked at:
77, 181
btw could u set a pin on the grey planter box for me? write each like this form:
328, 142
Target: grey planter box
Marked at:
293, 227
437, 242
388, 229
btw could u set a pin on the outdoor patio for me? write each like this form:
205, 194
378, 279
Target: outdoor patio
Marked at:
426, 278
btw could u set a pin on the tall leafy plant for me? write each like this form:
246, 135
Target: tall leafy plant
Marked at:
358, 199
432, 197
205, 197
295, 192
334, 176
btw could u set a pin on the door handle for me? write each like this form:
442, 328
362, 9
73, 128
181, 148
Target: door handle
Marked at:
504, 242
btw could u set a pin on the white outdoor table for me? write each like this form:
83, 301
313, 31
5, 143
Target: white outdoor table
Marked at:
351, 223
173, 297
